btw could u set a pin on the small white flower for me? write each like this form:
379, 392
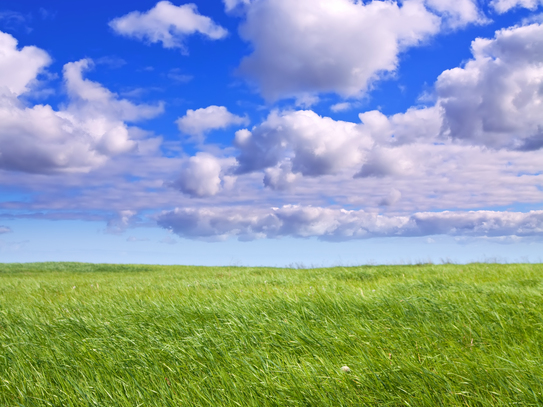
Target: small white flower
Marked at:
345, 369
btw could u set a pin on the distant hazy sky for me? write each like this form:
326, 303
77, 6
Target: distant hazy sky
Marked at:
271, 132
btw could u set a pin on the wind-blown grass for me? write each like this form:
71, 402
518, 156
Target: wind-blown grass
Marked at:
113, 335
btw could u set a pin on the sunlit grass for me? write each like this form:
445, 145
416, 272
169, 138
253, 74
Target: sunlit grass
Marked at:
114, 335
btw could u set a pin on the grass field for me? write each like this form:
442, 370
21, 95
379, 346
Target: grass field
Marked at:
428, 335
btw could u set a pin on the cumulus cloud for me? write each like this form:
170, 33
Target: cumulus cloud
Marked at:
384, 162
291, 144
492, 101
313, 145
40, 140
503, 6
92, 97
167, 24
423, 159
340, 224
308, 47
101, 112
457, 13
197, 123
329, 46
340, 46
496, 98
19, 67
280, 177
83, 135
203, 175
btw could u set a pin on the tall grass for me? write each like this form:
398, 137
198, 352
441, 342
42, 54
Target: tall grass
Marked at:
111, 335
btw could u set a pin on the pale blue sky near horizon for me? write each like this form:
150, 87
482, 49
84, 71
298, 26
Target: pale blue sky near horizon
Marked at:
81, 241
267, 132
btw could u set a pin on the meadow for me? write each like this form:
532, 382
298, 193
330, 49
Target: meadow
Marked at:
132, 335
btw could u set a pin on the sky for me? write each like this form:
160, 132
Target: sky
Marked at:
271, 132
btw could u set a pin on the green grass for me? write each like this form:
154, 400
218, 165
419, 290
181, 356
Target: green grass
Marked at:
112, 335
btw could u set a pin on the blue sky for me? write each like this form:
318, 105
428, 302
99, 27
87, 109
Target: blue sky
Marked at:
271, 132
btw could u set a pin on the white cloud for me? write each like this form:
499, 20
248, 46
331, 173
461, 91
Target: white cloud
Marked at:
203, 175
340, 224
341, 107
306, 47
314, 145
457, 13
448, 175
5, 229
89, 130
292, 144
306, 100
502, 6
384, 162
280, 177
197, 123
496, 98
425, 158
494, 101
19, 68
92, 99
533, 18
422, 159
167, 24
480, 223
329, 46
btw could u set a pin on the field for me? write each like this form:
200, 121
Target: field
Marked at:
422, 335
